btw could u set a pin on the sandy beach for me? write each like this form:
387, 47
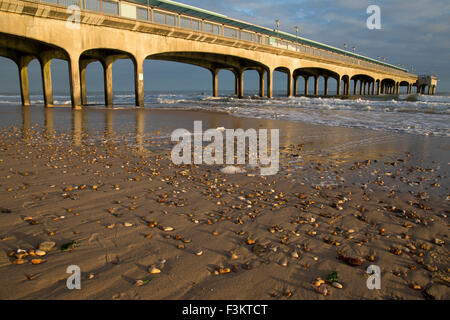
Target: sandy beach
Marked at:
144, 228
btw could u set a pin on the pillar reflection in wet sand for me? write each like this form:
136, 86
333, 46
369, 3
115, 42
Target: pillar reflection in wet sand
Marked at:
140, 129
49, 123
109, 125
77, 127
26, 122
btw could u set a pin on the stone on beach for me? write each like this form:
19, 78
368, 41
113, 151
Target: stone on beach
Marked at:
47, 246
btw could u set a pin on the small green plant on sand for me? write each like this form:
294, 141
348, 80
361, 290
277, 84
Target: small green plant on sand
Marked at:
333, 277
69, 246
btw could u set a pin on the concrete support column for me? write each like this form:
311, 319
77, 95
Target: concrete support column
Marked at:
306, 85
378, 88
270, 83
338, 89
295, 86
139, 81
361, 88
240, 84
46, 74
429, 90
262, 74
316, 86
373, 88
22, 64
325, 91
74, 74
355, 84
215, 86
289, 85
107, 80
83, 66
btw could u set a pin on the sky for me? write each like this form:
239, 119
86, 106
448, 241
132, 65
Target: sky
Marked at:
413, 33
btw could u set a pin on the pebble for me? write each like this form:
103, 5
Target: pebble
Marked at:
154, 270
337, 285
40, 253
127, 224
439, 242
37, 261
168, 229
284, 262
19, 261
199, 252
47, 246
295, 255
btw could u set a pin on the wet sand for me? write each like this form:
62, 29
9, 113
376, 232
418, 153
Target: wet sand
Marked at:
344, 199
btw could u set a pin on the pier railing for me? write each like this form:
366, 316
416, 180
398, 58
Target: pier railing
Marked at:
142, 12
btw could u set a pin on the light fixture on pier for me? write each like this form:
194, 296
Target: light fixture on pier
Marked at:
354, 49
296, 31
345, 46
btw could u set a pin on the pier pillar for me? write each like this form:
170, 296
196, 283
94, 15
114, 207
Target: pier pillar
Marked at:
262, 74
338, 89
316, 86
306, 85
361, 84
325, 91
139, 81
295, 86
83, 66
108, 81
270, 83
74, 75
240, 84
46, 74
215, 86
355, 83
289, 84
22, 64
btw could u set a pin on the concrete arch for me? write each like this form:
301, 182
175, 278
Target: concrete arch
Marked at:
366, 84
388, 86
23, 50
106, 57
215, 62
345, 79
308, 72
288, 73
